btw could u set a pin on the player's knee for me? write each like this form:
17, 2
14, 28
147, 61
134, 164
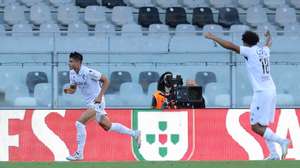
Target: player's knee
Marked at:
105, 127
255, 128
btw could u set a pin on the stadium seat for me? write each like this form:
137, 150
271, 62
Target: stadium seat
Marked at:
175, 16
166, 3
193, 3
4, 3
104, 28
73, 100
132, 95
25, 102
77, 29
113, 100
211, 90
285, 15
34, 78
213, 28
14, 14
131, 30
151, 89
148, 16
67, 14
228, 16
47, 29
256, 15
248, 3
94, 15
22, 29
185, 30
122, 15
40, 13
113, 3
292, 30
222, 100
29, 3
295, 3
262, 28
158, 30
116, 79
238, 30
2, 28
146, 78
140, 3
43, 94
203, 78
85, 3
202, 16
63, 78
57, 3
273, 4
220, 3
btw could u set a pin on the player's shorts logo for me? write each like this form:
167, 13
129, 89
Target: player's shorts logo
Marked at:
165, 135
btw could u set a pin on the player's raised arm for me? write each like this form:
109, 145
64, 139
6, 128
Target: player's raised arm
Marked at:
71, 89
268, 39
105, 84
224, 43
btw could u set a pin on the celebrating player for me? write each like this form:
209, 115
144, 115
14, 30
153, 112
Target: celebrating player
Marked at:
264, 98
92, 85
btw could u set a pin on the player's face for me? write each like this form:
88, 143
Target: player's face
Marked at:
74, 64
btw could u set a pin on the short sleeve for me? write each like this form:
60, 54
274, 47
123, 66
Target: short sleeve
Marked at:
93, 74
244, 51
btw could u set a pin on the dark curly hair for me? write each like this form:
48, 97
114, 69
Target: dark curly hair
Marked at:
250, 38
76, 56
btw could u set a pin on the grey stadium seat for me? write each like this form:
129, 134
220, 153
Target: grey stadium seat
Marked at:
40, 13
34, 78
14, 14
166, 3
140, 3
185, 30
63, 78
256, 15
194, 3
273, 3
248, 3
77, 29
122, 15
29, 3
67, 14
22, 29
285, 15
220, 3
158, 30
94, 15
43, 94
295, 3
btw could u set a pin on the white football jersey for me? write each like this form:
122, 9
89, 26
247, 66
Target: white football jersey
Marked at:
87, 81
258, 66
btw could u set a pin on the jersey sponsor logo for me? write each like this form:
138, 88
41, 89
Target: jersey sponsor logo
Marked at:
165, 135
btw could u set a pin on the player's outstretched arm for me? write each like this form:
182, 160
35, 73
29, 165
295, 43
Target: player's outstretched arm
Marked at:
268, 39
105, 84
224, 43
70, 90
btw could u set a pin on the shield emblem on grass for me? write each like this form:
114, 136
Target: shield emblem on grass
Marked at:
167, 135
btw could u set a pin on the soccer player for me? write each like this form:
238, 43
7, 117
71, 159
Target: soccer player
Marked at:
263, 104
92, 85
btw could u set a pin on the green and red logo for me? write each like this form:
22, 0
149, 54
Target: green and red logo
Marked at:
165, 135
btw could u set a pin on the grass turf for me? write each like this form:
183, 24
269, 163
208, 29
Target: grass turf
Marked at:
180, 164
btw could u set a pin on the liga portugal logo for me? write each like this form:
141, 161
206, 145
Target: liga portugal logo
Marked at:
165, 135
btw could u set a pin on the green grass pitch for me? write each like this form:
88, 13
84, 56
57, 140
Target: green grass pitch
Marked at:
180, 164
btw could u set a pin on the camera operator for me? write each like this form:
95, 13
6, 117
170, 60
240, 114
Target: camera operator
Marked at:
171, 94
160, 97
